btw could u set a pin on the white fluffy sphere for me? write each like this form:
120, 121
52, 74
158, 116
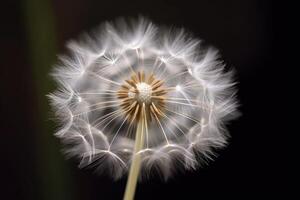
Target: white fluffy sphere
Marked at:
193, 95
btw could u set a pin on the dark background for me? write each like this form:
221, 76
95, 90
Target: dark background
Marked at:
33, 32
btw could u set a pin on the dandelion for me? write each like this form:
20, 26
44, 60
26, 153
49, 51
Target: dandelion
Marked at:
137, 98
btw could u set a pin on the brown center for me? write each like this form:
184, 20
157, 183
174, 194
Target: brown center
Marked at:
142, 97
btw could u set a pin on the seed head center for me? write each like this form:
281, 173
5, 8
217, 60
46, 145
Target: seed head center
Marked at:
142, 96
144, 92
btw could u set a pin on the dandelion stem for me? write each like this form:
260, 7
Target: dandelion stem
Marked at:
136, 162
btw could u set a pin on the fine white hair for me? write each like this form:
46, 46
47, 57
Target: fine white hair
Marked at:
92, 125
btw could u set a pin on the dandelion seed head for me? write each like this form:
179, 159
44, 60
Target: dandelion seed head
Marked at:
126, 72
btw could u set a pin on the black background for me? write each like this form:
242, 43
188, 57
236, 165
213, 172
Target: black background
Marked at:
242, 30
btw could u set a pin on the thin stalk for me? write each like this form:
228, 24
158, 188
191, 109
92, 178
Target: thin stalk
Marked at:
136, 162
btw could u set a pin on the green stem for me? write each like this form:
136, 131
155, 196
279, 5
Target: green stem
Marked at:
52, 180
